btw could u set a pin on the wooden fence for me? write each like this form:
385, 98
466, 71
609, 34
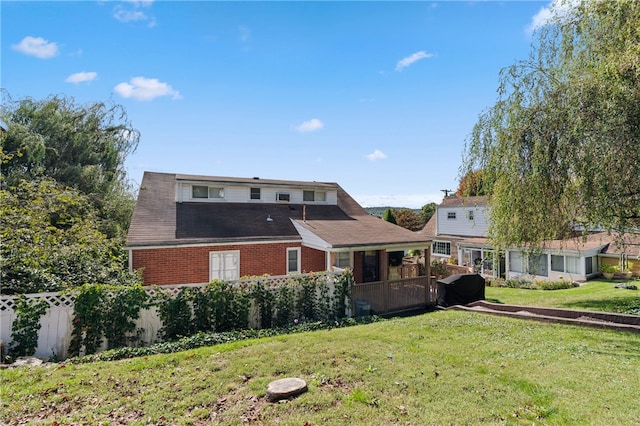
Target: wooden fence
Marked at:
385, 297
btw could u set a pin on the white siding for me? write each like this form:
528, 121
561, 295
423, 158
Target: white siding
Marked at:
462, 225
241, 194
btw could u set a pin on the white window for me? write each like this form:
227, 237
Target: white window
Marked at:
451, 215
224, 265
314, 196
470, 214
293, 260
255, 194
588, 265
201, 191
343, 260
442, 248
538, 265
516, 261
572, 265
557, 263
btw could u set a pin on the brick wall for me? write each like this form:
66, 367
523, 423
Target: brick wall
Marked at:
189, 265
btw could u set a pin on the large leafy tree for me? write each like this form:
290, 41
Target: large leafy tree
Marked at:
51, 241
471, 184
408, 219
79, 146
427, 211
561, 147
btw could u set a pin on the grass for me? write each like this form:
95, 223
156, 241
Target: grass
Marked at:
598, 295
445, 367
441, 368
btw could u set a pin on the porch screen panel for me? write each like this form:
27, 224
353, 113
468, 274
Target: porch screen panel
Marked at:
573, 265
588, 265
557, 263
538, 265
516, 261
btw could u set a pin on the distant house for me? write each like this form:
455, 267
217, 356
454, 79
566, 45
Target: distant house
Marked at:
189, 229
459, 233
458, 230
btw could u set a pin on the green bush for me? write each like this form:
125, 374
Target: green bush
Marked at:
557, 285
529, 285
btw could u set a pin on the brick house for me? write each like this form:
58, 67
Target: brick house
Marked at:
189, 229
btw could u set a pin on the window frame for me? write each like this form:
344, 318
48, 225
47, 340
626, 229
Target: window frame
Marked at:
222, 272
283, 197
211, 192
451, 215
536, 263
253, 191
340, 257
443, 244
298, 252
519, 257
554, 269
311, 196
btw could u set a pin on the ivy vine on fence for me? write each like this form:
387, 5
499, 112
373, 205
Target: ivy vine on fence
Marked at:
26, 326
109, 313
102, 311
223, 306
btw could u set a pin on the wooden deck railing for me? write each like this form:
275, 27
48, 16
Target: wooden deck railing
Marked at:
385, 297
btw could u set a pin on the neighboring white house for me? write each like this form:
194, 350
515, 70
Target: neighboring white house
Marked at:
459, 230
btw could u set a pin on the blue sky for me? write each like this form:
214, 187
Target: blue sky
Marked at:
376, 96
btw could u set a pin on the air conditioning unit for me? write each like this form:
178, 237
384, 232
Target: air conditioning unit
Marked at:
283, 196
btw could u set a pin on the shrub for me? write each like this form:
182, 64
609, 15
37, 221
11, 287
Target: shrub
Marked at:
558, 285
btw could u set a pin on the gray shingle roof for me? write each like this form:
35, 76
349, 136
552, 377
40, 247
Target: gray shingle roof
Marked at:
158, 220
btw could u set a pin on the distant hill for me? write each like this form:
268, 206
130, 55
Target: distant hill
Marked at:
379, 211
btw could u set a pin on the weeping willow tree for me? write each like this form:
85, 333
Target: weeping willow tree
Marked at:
560, 149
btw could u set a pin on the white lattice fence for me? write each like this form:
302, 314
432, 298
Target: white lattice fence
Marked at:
55, 333
56, 325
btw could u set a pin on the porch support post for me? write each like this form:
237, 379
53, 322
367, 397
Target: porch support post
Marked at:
384, 265
427, 268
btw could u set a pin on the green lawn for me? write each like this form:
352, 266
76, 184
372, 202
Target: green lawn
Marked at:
444, 367
594, 295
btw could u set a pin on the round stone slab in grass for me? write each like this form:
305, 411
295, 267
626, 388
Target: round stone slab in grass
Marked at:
285, 388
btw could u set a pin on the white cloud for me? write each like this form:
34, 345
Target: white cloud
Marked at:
37, 46
81, 77
376, 155
412, 59
557, 9
130, 11
145, 89
139, 3
309, 126
540, 19
124, 15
